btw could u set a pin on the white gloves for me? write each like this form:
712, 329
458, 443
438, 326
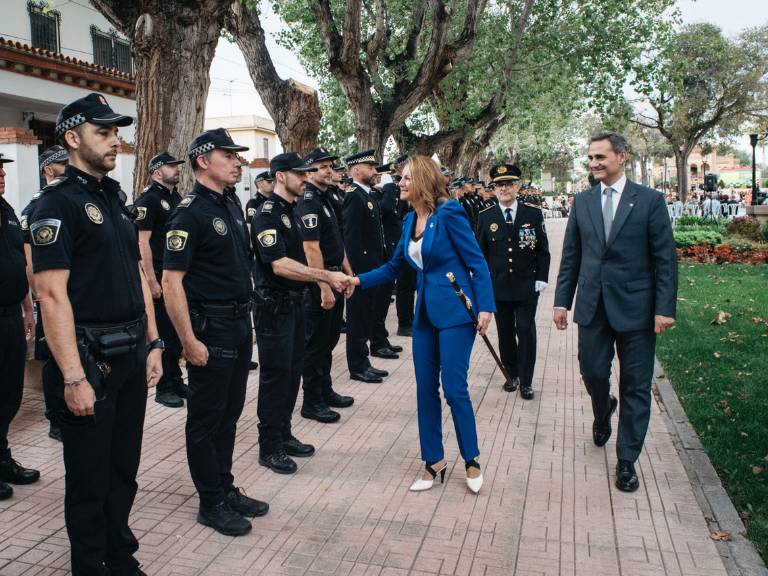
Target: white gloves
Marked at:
540, 286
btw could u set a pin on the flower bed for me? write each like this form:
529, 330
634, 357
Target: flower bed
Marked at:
713, 242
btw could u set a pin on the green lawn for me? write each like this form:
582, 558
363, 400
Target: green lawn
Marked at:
720, 373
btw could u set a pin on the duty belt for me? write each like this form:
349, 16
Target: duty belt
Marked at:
233, 310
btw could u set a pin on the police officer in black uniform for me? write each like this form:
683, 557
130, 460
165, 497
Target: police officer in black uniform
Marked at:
207, 288
365, 246
280, 277
323, 308
151, 212
512, 237
100, 329
265, 183
17, 325
52, 163
405, 287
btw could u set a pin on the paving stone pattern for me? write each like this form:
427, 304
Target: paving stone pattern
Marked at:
548, 505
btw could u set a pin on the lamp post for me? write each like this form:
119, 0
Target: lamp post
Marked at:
753, 140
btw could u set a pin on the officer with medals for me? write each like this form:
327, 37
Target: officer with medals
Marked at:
17, 325
100, 329
280, 278
511, 235
207, 289
265, 184
151, 213
365, 245
52, 164
324, 248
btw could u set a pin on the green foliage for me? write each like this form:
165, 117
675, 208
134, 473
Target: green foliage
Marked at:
690, 237
765, 232
741, 244
686, 221
746, 227
720, 373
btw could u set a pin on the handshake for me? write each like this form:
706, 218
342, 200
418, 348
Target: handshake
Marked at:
340, 282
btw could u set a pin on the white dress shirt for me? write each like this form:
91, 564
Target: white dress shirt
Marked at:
363, 186
512, 206
618, 190
414, 251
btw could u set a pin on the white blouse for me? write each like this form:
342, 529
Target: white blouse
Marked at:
414, 251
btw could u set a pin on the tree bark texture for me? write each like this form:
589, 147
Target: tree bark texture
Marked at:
294, 107
173, 46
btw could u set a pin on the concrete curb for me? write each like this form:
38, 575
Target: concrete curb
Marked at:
739, 555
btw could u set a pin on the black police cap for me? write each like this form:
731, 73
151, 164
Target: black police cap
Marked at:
53, 155
264, 177
364, 157
387, 168
5, 160
400, 160
318, 155
92, 108
505, 173
162, 159
215, 139
289, 162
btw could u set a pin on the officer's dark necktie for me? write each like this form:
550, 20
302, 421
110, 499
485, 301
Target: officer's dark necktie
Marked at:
508, 219
608, 212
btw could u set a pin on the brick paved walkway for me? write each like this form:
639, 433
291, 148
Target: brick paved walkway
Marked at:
548, 505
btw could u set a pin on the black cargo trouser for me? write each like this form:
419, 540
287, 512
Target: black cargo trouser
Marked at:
323, 330
13, 354
360, 314
280, 337
405, 295
171, 379
101, 460
215, 402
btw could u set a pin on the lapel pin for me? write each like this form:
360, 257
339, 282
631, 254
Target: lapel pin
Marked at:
432, 225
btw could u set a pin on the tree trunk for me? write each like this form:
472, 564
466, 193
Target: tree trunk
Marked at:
173, 46
294, 107
370, 134
644, 170
681, 161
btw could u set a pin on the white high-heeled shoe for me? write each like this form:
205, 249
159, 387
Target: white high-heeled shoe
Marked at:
421, 485
474, 484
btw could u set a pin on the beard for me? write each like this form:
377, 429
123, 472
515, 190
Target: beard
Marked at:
97, 162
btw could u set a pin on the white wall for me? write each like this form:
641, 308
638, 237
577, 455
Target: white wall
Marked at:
22, 177
74, 29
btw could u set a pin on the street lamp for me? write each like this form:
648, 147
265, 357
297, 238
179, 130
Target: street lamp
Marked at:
753, 140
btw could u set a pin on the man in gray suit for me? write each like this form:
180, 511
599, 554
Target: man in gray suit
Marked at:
619, 251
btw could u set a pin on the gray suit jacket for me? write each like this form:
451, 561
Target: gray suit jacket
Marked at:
635, 270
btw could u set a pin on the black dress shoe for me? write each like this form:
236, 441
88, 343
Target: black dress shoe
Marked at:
278, 461
182, 390
54, 432
168, 398
406, 331
246, 506
511, 386
395, 348
14, 473
224, 519
366, 376
335, 400
526, 391
626, 477
252, 365
294, 447
320, 412
6, 491
387, 353
601, 431
382, 373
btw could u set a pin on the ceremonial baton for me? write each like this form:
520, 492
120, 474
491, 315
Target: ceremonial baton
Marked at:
468, 306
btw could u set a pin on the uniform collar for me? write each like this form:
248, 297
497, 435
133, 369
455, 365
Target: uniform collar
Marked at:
280, 201
91, 183
199, 190
162, 188
362, 186
314, 189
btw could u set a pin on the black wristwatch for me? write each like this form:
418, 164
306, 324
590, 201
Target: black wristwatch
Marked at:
157, 344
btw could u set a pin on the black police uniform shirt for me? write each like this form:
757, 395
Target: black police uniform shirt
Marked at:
517, 254
81, 224
151, 212
253, 205
363, 235
390, 221
318, 222
26, 216
275, 234
208, 240
336, 197
13, 279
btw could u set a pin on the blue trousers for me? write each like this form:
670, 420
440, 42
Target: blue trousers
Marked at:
443, 355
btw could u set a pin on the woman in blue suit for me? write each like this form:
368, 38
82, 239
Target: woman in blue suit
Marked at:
438, 239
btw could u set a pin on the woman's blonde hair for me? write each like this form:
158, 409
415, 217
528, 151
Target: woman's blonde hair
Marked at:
427, 182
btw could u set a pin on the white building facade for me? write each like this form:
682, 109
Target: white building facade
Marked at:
52, 53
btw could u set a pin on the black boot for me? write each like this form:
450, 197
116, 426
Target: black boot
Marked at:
14, 473
278, 461
335, 400
320, 412
244, 505
223, 519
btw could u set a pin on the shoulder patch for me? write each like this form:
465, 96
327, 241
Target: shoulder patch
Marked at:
309, 221
23, 222
308, 195
141, 212
251, 212
267, 238
267, 207
176, 240
187, 200
45, 232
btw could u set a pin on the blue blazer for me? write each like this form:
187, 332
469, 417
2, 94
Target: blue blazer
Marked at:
448, 245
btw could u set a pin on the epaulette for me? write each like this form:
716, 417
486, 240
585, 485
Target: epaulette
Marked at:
187, 200
487, 208
146, 189
533, 205
36, 195
55, 182
308, 195
266, 208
